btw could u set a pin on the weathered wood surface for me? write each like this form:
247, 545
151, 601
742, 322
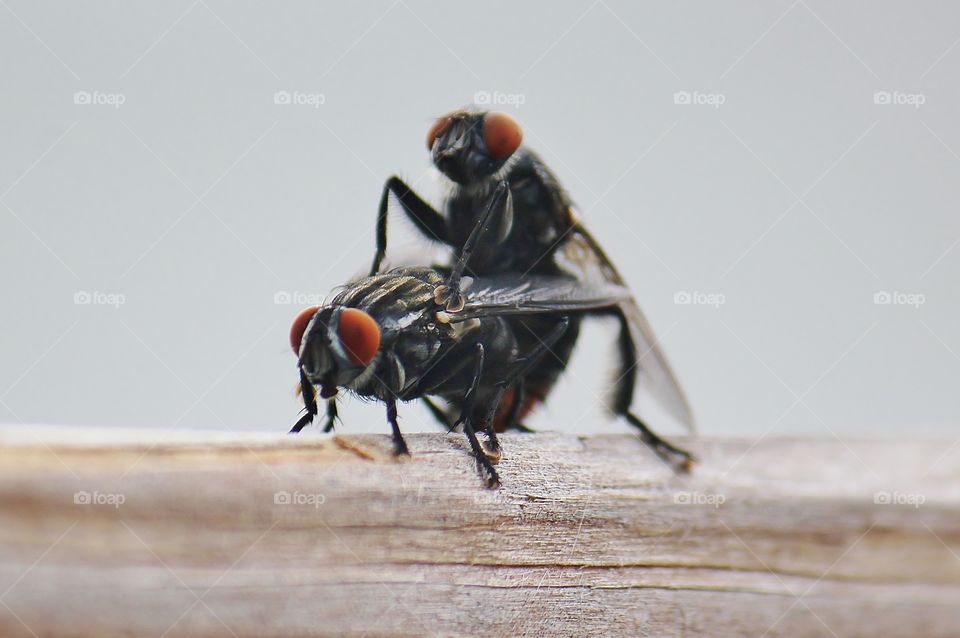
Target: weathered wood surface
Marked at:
314, 535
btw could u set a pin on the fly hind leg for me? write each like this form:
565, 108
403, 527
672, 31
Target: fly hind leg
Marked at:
676, 457
466, 420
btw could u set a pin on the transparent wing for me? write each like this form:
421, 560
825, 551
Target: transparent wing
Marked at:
516, 294
585, 260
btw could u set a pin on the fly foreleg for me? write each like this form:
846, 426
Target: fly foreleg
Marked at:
428, 221
309, 403
331, 415
499, 206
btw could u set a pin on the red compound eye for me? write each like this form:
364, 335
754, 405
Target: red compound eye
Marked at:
299, 327
360, 335
439, 128
502, 134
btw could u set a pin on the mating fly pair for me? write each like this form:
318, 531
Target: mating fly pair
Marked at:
416, 332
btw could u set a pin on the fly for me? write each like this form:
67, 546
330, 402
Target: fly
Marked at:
538, 235
413, 332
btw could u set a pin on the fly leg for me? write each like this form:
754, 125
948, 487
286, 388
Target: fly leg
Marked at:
399, 445
665, 450
501, 201
677, 458
309, 403
515, 378
428, 221
466, 419
331, 415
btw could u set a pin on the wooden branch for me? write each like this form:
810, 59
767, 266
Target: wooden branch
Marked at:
109, 534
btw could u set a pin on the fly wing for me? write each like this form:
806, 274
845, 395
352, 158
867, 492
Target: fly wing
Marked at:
584, 259
515, 294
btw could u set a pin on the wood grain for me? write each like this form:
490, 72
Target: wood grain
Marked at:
259, 536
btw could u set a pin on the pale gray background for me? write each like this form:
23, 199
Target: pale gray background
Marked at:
199, 198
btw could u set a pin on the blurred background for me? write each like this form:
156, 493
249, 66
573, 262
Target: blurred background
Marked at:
777, 181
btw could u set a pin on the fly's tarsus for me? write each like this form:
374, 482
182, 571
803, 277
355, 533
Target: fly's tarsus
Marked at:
676, 457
